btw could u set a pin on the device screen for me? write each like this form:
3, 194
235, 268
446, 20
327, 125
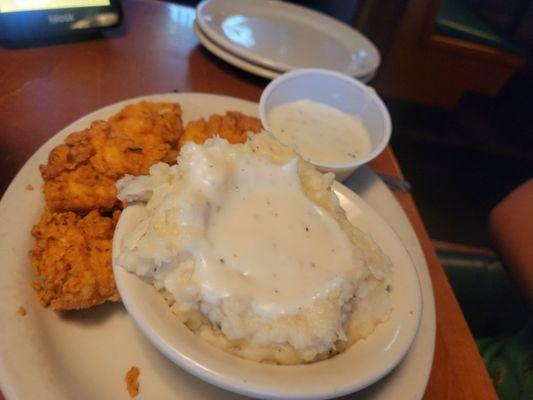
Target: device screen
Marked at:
7, 6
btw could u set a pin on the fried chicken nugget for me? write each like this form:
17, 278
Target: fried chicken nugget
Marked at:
81, 190
155, 126
233, 126
80, 175
72, 258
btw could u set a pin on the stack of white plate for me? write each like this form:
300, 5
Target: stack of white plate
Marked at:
270, 37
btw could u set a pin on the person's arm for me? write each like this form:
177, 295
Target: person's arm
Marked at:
511, 228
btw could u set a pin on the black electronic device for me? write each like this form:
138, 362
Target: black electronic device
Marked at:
27, 20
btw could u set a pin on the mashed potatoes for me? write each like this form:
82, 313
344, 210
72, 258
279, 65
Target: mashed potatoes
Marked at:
253, 252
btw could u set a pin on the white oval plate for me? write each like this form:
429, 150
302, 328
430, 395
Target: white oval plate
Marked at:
284, 36
85, 354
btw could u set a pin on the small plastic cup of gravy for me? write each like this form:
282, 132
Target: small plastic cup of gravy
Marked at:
332, 120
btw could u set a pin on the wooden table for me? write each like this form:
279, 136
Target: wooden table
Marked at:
42, 89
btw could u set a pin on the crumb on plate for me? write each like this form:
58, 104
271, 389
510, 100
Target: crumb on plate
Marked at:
29, 186
132, 381
21, 311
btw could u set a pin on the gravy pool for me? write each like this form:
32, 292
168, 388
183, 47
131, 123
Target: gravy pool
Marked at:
319, 133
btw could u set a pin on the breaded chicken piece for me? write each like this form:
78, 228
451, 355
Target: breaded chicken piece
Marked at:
233, 126
72, 259
81, 190
156, 126
80, 175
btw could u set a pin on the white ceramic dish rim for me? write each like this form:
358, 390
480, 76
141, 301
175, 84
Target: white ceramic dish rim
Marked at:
373, 97
414, 370
245, 65
231, 58
255, 386
221, 40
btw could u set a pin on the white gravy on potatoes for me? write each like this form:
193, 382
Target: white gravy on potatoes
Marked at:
252, 251
250, 230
